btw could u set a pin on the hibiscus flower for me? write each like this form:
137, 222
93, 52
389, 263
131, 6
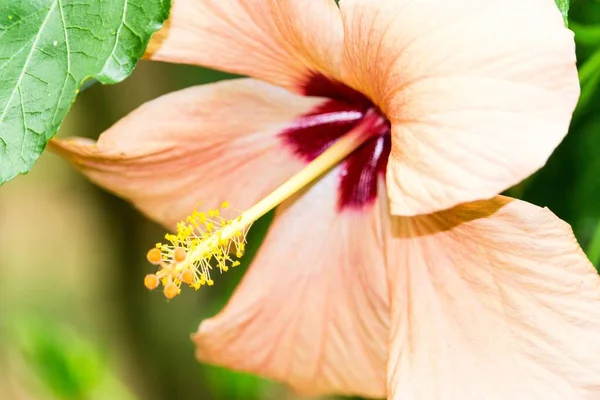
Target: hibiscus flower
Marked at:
384, 129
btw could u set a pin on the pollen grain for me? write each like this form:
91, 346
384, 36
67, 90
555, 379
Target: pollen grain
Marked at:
205, 240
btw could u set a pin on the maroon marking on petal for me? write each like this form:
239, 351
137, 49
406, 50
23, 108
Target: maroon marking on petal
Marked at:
313, 133
360, 173
320, 86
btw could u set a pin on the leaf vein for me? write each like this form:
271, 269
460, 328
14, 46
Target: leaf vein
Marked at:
27, 61
118, 35
8, 60
21, 20
68, 72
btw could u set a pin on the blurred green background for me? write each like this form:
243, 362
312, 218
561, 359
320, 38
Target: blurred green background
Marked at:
75, 319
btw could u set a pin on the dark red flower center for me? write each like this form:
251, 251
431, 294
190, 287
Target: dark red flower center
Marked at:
312, 133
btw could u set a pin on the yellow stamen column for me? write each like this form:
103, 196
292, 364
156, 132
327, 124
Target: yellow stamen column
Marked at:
193, 248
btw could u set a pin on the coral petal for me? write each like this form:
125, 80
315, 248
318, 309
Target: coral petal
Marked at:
479, 93
491, 300
280, 41
313, 308
195, 148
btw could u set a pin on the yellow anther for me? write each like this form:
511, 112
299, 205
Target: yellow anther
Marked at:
187, 277
239, 254
171, 290
235, 263
225, 204
151, 281
154, 256
179, 254
196, 248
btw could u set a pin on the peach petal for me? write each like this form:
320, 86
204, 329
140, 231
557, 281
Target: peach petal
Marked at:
479, 93
196, 147
279, 41
312, 311
491, 300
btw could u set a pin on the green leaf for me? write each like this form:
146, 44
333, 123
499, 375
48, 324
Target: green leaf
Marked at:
593, 249
66, 364
48, 48
563, 6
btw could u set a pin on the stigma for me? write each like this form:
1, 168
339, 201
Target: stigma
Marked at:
203, 242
